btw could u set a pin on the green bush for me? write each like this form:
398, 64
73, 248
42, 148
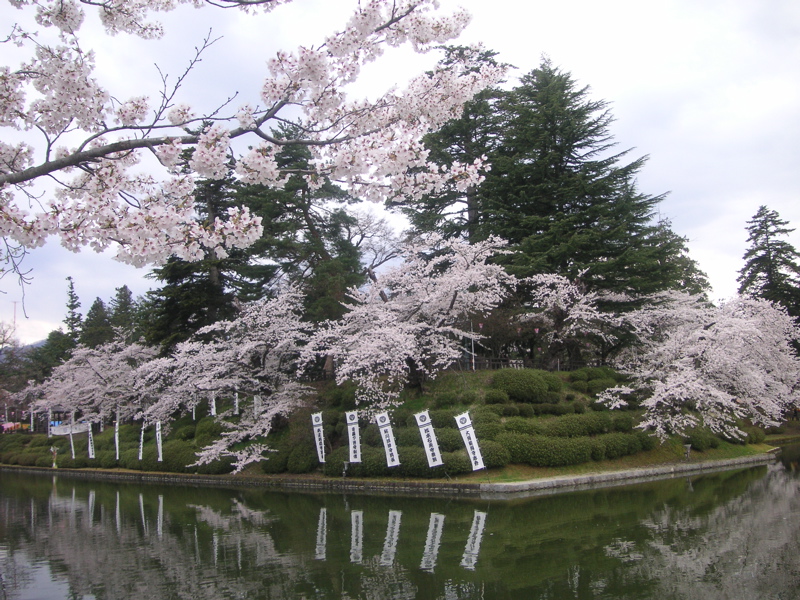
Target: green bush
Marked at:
521, 385
493, 396
595, 386
302, 458
526, 410
207, 431
517, 445
646, 440
578, 425
44, 461
755, 435
558, 452
617, 445
495, 455
408, 436
107, 459
510, 410
276, 461
445, 400
450, 439
443, 418
522, 425
414, 463
177, 455
457, 463
486, 430
554, 383
217, 467
579, 375
580, 386
371, 436
467, 397
701, 439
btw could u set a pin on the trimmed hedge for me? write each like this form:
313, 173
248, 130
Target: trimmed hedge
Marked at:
521, 385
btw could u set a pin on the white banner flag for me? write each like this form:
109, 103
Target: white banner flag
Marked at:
385, 427
353, 436
319, 437
158, 442
91, 441
429, 439
470, 441
473, 547
392, 535
432, 542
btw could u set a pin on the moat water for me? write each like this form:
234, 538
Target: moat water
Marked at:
728, 535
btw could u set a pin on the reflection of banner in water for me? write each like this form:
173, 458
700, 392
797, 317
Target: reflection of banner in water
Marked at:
160, 522
473, 547
353, 436
470, 441
67, 429
319, 438
385, 427
432, 542
356, 535
322, 534
392, 535
429, 439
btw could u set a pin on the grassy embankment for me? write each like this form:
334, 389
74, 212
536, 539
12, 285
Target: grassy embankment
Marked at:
509, 409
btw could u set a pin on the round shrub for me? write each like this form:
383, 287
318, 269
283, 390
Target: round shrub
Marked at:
414, 463
276, 461
487, 430
457, 463
595, 386
598, 448
646, 440
467, 397
177, 455
445, 400
526, 410
44, 461
516, 444
580, 386
302, 458
373, 464
755, 435
521, 385
494, 396
579, 375
622, 422
495, 455
443, 418
701, 439
450, 439
510, 410
129, 459
217, 467
522, 425
371, 436
483, 414
408, 436
333, 465
207, 431
554, 383
184, 432
107, 459
559, 452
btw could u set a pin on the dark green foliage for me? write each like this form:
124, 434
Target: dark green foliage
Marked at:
446, 400
510, 410
617, 445
443, 418
559, 452
580, 386
517, 445
450, 439
457, 463
701, 439
276, 461
553, 381
495, 455
595, 386
414, 463
302, 458
494, 396
526, 426
371, 436
772, 265
521, 385
106, 459
217, 467
487, 430
178, 454
408, 436
340, 396
207, 431
96, 328
526, 410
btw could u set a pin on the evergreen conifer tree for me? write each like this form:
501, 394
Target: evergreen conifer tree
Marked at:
772, 265
96, 328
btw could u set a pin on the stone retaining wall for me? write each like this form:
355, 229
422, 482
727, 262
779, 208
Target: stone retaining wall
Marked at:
488, 490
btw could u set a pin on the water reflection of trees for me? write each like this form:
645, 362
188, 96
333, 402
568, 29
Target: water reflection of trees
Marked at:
707, 537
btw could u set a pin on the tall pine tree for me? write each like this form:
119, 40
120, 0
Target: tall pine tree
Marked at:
771, 270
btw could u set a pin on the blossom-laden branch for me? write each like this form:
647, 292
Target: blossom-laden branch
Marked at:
412, 317
68, 121
254, 355
700, 364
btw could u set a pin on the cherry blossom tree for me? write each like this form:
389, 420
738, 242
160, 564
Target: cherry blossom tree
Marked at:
80, 163
254, 355
409, 323
701, 364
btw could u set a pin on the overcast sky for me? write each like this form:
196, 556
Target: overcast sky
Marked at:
708, 89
